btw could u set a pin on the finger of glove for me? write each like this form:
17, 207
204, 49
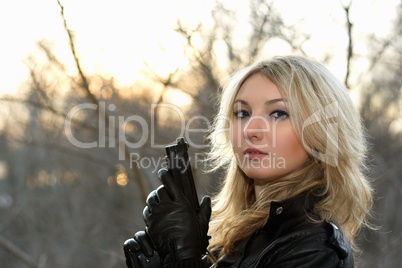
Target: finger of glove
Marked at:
204, 213
146, 214
146, 245
152, 241
152, 199
163, 195
171, 187
131, 246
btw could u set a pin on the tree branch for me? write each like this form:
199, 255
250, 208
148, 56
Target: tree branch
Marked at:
138, 176
17, 252
76, 59
41, 106
349, 26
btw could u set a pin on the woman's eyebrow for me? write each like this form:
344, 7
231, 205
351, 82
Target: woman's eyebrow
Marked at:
268, 102
241, 102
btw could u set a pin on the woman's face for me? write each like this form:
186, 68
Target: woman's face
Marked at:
262, 136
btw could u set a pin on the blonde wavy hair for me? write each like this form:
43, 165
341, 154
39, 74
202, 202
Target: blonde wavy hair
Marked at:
329, 128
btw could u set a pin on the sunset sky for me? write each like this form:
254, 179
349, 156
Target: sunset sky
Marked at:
114, 37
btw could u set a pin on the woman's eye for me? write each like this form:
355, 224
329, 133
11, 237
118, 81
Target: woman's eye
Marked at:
241, 114
278, 114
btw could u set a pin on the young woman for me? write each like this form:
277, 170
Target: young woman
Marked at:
294, 193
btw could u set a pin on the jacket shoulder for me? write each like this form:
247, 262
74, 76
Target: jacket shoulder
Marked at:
337, 240
321, 247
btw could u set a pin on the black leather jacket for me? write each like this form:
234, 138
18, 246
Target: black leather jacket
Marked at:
293, 237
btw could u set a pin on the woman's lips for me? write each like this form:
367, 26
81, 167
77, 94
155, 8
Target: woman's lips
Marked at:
251, 153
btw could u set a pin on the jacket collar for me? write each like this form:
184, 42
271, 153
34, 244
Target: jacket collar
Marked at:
297, 213
292, 213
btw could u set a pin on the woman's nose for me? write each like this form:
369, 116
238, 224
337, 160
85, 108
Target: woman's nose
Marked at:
256, 127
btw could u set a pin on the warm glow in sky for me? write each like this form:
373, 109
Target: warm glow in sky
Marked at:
116, 37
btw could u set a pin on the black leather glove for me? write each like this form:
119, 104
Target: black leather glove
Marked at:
179, 232
139, 252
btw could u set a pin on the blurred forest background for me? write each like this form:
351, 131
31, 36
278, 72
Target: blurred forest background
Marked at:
66, 206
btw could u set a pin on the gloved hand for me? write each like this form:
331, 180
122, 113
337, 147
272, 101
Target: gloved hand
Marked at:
177, 230
139, 252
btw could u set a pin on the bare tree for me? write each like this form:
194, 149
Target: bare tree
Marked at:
381, 112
